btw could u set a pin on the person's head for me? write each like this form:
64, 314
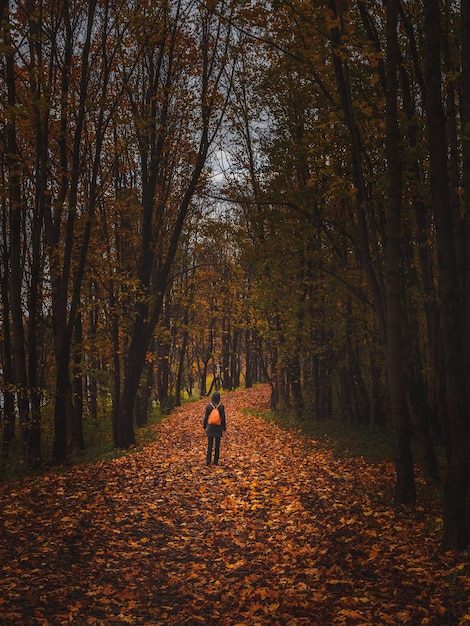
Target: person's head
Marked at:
215, 397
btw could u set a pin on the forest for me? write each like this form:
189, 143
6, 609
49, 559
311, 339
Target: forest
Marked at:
201, 194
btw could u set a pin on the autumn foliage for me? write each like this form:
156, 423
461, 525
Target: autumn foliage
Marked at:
281, 532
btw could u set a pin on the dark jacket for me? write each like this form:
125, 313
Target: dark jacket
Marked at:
212, 430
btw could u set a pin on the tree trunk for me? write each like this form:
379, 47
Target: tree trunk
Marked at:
359, 400
465, 39
163, 368
457, 476
116, 369
62, 253
62, 395
17, 213
235, 360
6, 355
141, 337
465, 111
405, 490
227, 382
377, 392
92, 383
422, 419
144, 395
181, 361
389, 317
294, 381
361, 193
249, 365
77, 442
436, 385
203, 379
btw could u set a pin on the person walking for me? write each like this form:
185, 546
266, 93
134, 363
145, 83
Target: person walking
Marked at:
214, 425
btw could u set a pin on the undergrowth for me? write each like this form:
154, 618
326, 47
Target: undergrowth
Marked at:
97, 434
374, 443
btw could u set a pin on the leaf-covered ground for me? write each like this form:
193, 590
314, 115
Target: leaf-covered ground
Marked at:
279, 533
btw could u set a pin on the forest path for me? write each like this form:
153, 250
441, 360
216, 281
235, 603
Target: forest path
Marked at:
279, 533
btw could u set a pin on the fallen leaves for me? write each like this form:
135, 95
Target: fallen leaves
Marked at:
279, 533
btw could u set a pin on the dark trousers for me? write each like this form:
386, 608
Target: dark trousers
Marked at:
210, 445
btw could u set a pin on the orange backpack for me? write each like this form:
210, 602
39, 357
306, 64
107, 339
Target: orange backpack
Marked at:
214, 416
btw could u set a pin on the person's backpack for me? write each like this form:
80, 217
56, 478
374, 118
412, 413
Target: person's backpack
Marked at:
214, 416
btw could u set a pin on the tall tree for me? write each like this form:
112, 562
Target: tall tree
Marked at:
450, 285
405, 484
177, 107
75, 206
465, 109
21, 230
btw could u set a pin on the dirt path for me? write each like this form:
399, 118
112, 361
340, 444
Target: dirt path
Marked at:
278, 533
